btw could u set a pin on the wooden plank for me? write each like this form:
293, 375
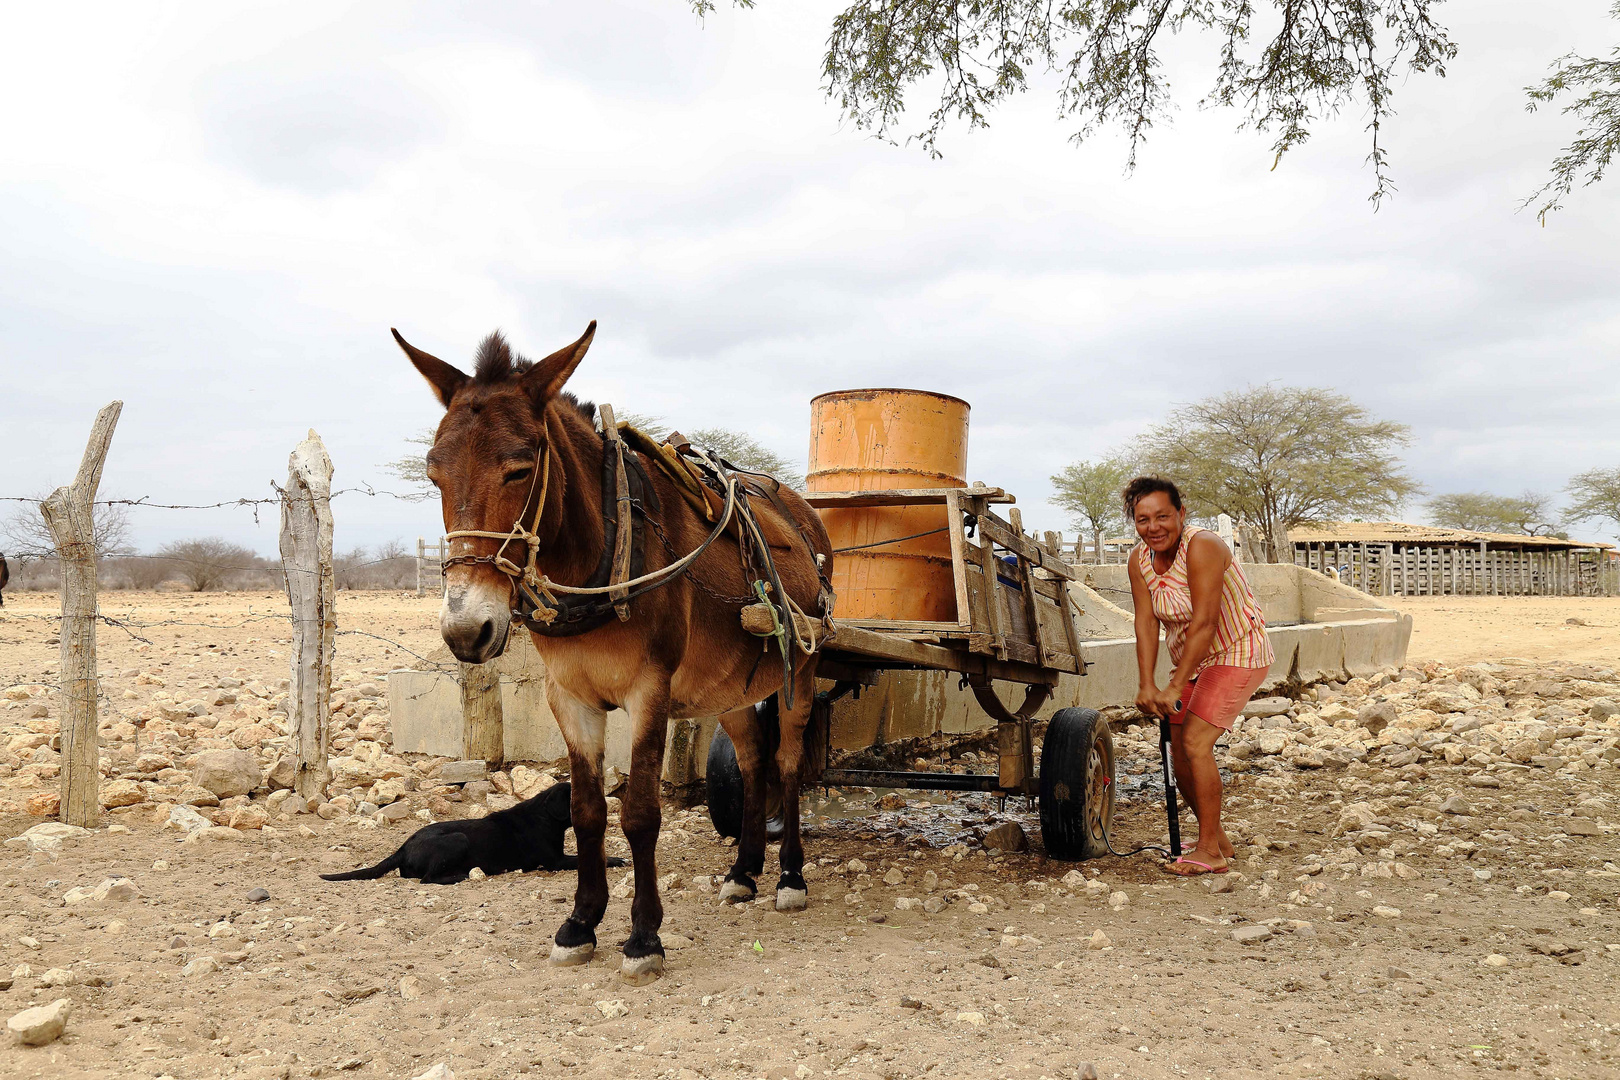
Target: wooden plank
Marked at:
1026, 589
901, 497
69, 513
991, 593
1002, 533
953, 519
854, 644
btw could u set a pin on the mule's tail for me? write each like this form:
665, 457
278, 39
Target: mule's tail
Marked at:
366, 873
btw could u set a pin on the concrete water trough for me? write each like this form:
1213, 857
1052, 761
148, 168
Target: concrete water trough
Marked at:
1319, 629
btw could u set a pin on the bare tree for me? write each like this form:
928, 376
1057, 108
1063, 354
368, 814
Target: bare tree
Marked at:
139, 572
1478, 511
1090, 492
1280, 457
27, 536
1596, 495
208, 563
412, 467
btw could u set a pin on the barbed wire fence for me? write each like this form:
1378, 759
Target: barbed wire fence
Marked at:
306, 571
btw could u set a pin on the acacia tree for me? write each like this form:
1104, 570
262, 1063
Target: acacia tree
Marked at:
747, 452
1596, 495
1278, 457
1479, 511
1090, 492
412, 468
1283, 64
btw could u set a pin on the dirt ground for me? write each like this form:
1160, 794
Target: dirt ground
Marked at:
1465, 629
1364, 972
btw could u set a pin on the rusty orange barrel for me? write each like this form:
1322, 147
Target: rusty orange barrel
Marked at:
872, 440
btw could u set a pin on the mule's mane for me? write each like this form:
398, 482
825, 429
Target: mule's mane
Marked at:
496, 363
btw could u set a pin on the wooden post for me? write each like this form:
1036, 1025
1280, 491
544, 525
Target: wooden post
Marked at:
70, 515
421, 553
306, 558
483, 725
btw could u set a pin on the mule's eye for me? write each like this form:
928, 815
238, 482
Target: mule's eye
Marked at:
517, 474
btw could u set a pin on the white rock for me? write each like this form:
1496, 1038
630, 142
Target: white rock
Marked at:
612, 1007
1074, 879
42, 1024
1496, 960
976, 1019
1384, 911
56, 977
1099, 940
410, 988
202, 965
47, 836
1117, 900
441, 1071
186, 820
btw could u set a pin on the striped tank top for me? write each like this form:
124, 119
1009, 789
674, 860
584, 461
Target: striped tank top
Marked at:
1240, 635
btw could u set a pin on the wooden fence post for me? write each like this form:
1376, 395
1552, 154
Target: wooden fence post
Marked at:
483, 734
306, 557
70, 515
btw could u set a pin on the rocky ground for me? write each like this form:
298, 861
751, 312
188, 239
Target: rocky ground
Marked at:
1424, 885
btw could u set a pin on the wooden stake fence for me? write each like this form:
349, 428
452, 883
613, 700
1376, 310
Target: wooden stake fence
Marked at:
483, 734
306, 555
70, 515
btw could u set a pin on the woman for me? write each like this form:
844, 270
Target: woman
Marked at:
1185, 581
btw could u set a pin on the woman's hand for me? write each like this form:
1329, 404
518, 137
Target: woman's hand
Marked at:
1155, 702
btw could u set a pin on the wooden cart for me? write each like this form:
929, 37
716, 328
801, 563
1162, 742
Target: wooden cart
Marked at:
1015, 624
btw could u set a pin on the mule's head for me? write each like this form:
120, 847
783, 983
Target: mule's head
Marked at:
485, 461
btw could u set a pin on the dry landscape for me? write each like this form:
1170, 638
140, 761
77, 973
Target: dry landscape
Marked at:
1424, 888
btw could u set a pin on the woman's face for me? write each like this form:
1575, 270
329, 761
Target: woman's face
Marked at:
1158, 522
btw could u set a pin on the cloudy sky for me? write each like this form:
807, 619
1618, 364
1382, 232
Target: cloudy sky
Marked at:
214, 212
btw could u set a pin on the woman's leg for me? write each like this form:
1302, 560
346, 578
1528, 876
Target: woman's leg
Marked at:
1193, 742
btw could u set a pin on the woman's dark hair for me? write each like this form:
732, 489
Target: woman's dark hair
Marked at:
1144, 486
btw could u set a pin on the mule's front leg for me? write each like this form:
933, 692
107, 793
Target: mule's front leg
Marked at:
583, 728
642, 817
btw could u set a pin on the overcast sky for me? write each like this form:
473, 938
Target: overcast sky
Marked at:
216, 211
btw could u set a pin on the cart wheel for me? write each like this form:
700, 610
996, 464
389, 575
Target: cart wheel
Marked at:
1077, 784
723, 781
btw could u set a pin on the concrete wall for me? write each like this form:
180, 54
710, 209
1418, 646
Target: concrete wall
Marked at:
1318, 628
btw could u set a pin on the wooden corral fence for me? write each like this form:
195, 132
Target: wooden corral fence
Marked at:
1378, 559
429, 564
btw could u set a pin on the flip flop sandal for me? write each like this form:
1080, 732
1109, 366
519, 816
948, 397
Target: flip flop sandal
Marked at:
1207, 869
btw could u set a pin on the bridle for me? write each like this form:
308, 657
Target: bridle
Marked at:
539, 593
527, 577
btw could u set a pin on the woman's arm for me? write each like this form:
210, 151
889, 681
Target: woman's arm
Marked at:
1147, 641
1207, 560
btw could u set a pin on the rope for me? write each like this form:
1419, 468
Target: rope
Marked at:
896, 540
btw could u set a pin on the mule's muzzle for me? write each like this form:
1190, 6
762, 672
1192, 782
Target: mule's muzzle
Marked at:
475, 625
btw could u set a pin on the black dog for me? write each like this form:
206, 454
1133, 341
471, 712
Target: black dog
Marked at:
527, 837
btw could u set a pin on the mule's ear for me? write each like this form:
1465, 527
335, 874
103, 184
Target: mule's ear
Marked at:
546, 378
445, 378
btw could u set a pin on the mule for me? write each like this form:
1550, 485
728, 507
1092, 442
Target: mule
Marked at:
520, 467
5, 576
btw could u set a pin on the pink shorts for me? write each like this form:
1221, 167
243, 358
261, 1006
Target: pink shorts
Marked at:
1219, 693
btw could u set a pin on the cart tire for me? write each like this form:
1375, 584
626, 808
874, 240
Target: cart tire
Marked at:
723, 783
1077, 784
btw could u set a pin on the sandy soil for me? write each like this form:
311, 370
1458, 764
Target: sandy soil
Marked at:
1463, 629
1362, 976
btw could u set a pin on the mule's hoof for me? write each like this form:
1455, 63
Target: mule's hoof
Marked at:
572, 955
641, 970
734, 892
792, 899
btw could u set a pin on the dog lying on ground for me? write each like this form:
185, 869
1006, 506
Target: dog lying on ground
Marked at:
527, 837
